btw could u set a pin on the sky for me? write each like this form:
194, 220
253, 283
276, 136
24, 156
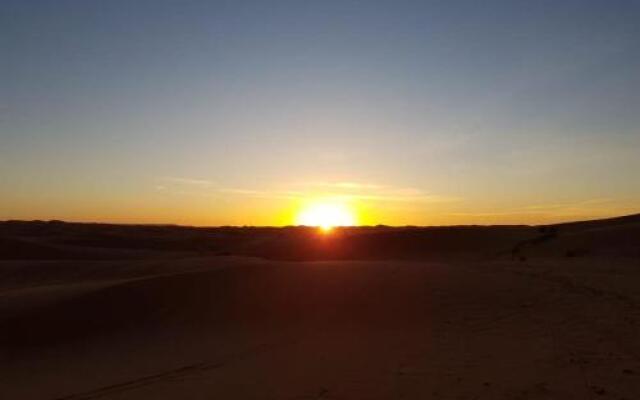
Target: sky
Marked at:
245, 112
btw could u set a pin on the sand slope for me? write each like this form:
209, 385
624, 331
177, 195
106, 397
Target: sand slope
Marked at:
194, 325
341, 329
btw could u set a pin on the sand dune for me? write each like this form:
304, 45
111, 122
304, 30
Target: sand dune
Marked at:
195, 324
615, 237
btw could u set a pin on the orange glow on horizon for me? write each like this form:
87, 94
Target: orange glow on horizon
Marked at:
326, 216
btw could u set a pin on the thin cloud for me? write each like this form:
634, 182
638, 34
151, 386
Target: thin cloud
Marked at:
558, 206
349, 190
416, 198
188, 181
345, 190
349, 185
262, 193
590, 208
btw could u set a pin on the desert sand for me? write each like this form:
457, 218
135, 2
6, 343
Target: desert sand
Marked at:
128, 312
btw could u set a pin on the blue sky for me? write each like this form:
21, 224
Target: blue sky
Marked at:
216, 112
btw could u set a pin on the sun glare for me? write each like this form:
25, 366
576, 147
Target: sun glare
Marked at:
326, 216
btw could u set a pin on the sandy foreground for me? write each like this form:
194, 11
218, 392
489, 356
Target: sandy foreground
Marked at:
243, 328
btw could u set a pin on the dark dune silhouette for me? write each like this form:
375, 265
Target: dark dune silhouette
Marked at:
167, 312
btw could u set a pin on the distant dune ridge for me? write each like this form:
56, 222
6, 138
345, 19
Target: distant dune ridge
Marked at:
60, 240
167, 312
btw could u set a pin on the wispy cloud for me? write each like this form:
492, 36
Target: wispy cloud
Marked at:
348, 185
188, 181
581, 209
380, 193
266, 194
583, 204
345, 190
416, 198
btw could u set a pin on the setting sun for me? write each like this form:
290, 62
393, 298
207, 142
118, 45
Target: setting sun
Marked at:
326, 216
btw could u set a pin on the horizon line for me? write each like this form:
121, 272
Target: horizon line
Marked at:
54, 221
